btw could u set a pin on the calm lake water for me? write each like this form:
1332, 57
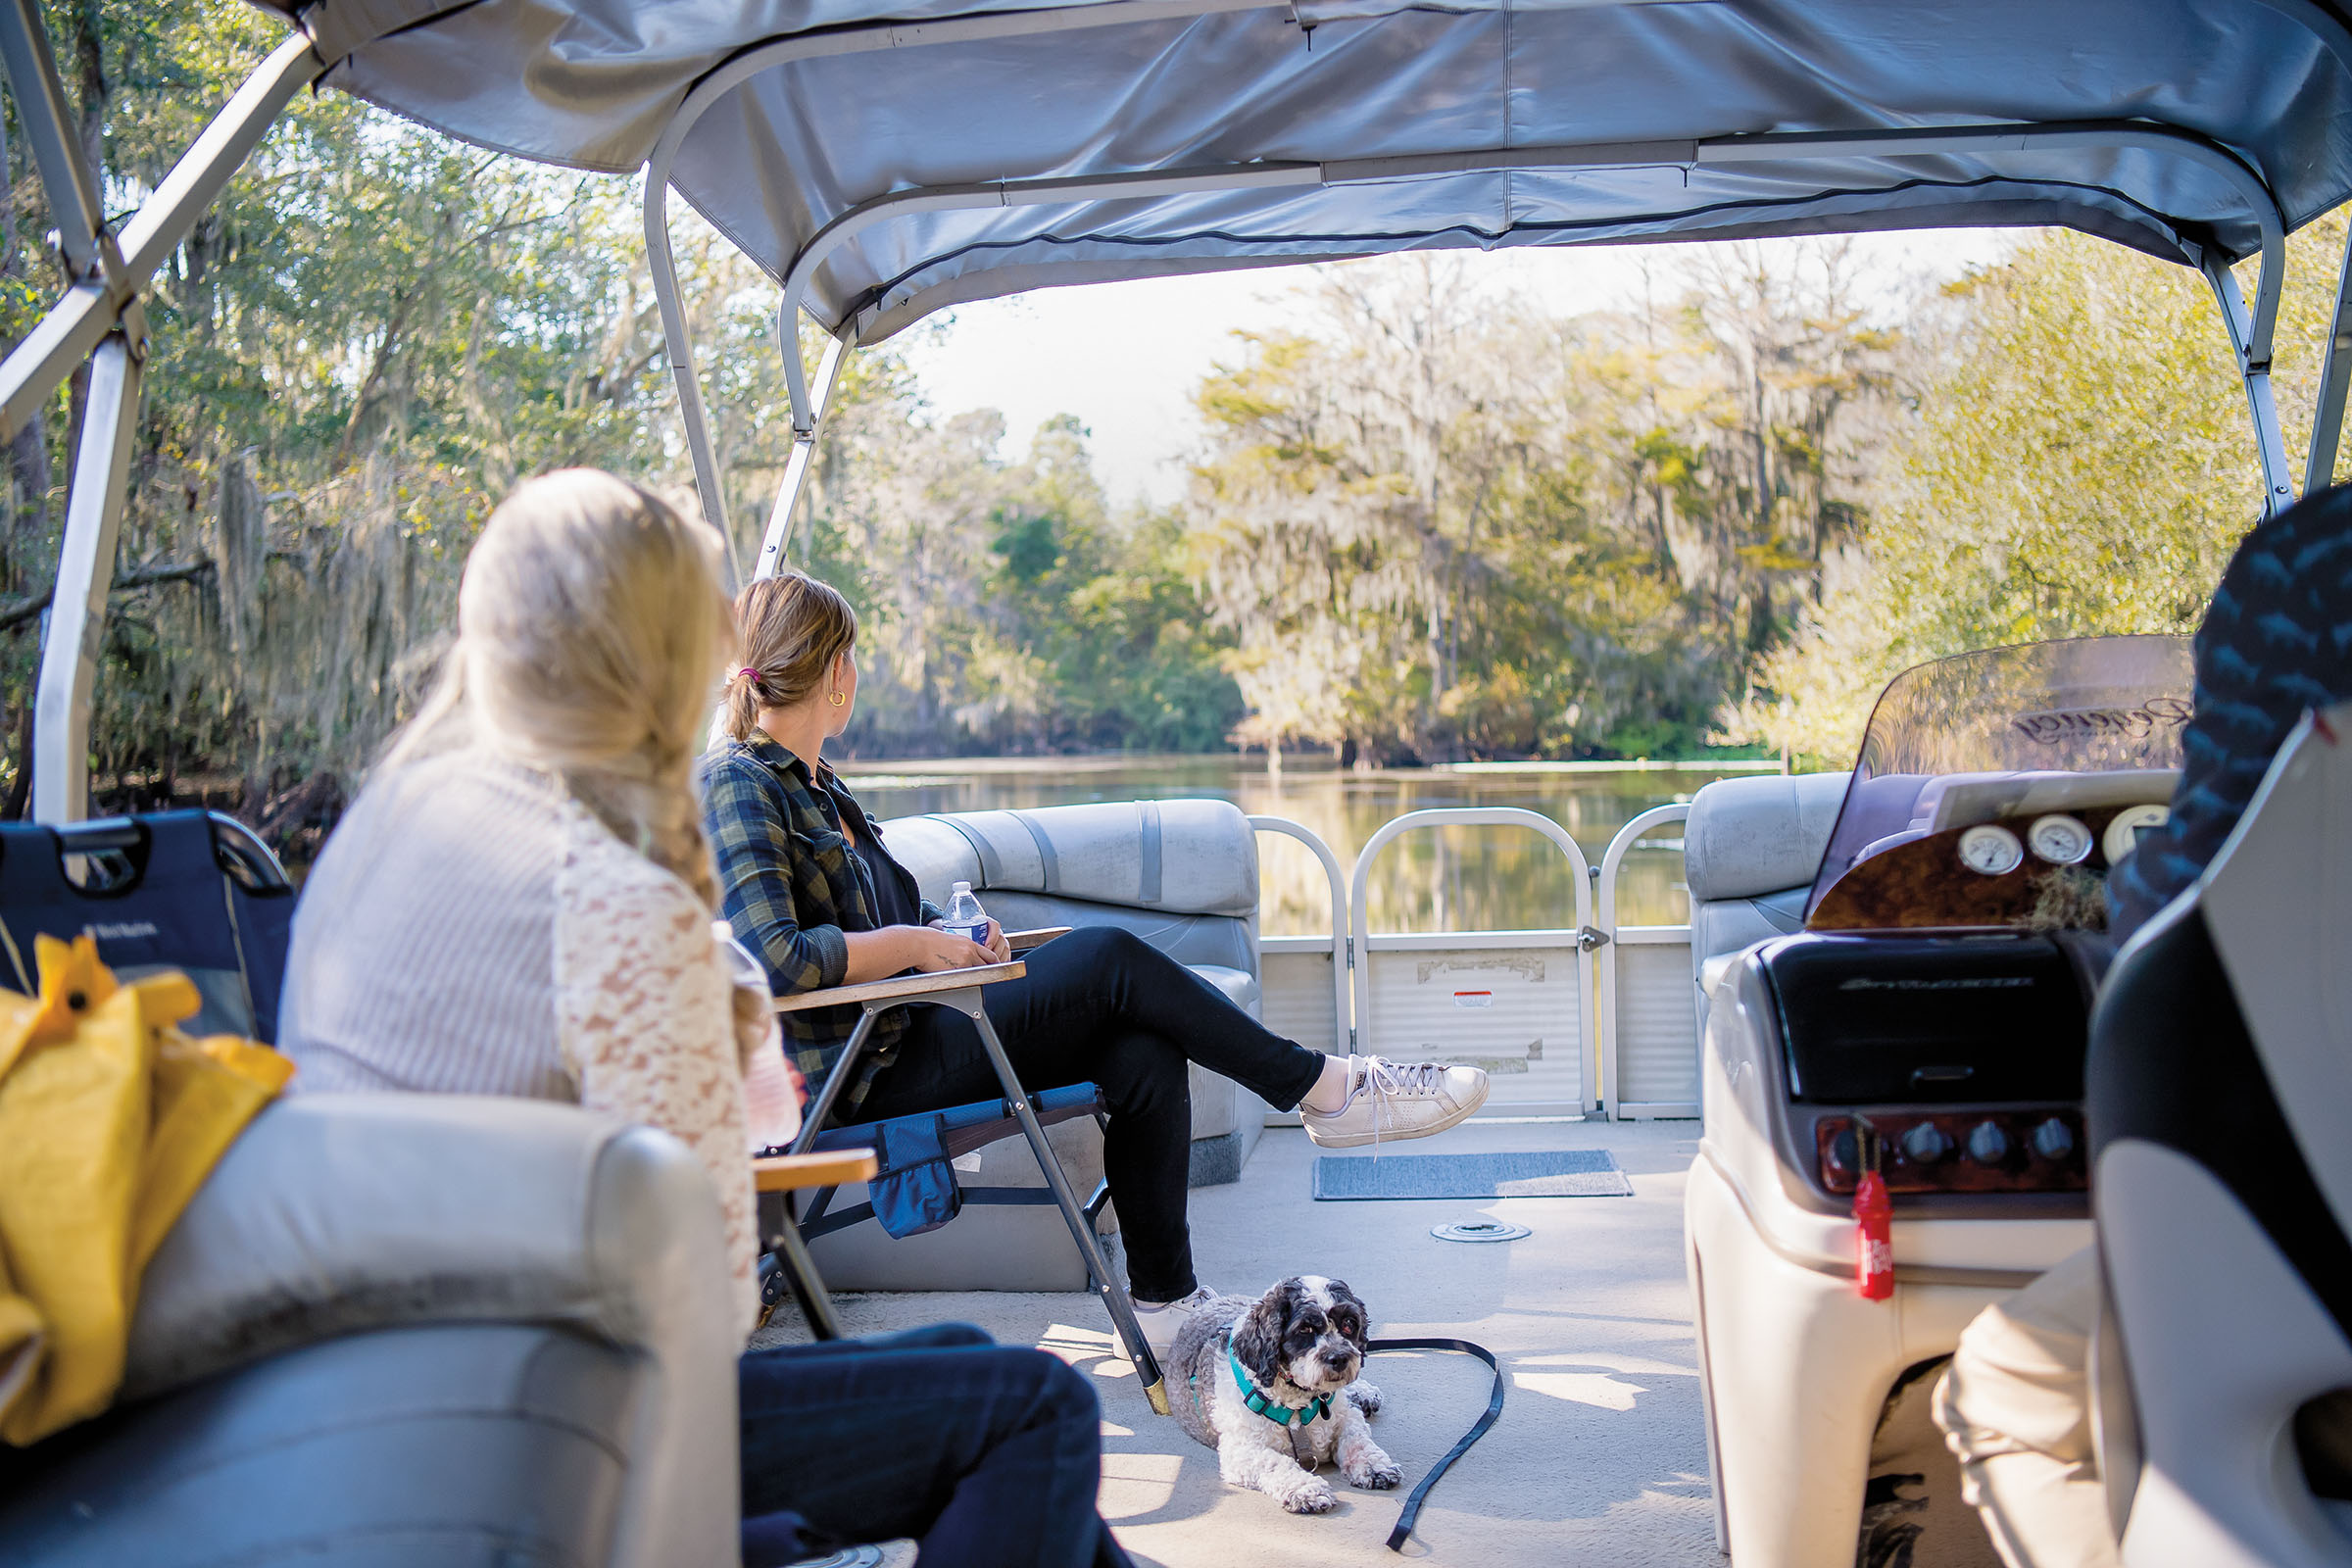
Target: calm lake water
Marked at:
1442, 879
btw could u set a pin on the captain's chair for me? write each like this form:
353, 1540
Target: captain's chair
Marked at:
414, 1331
2220, 1100
1750, 850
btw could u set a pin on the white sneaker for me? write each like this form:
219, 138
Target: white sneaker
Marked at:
1161, 1324
1396, 1100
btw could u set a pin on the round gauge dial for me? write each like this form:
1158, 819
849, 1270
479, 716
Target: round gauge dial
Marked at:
2059, 839
2129, 826
1990, 849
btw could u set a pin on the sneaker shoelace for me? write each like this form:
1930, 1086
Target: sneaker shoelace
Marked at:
1386, 1080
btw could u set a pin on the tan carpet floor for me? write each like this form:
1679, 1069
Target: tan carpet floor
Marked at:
1599, 1457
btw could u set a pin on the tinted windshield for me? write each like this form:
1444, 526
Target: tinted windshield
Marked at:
2088, 704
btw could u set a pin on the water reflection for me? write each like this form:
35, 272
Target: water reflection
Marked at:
1447, 879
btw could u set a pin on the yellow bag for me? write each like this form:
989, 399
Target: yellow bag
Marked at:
110, 1120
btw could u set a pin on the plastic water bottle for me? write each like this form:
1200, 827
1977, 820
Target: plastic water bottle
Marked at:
965, 917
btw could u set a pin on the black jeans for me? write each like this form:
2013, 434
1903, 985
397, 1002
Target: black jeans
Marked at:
1103, 1006
987, 1455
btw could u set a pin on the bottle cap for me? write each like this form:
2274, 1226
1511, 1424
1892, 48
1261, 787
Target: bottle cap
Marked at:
959, 888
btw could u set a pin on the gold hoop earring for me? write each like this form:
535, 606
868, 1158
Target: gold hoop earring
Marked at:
837, 700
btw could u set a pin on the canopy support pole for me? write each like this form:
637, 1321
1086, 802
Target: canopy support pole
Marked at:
2270, 447
751, 61
102, 319
2336, 377
95, 302
42, 114
679, 342
774, 547
85, 572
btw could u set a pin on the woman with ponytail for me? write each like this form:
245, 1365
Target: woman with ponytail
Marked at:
807, 886
522, 902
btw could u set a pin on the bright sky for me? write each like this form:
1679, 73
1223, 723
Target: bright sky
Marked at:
1126, 356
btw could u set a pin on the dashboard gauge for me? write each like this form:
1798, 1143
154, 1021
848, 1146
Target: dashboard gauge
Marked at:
2059, 839
2129, 826
1990, 849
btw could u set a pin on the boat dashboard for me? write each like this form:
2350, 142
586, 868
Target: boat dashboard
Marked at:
1960, 1052
2001, 852
1934, 1012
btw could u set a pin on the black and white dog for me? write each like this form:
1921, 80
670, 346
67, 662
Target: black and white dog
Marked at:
1274, 1386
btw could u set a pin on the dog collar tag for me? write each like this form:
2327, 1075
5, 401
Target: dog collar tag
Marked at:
1281, 1415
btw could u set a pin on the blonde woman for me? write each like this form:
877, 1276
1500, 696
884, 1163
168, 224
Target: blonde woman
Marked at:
807, 886
521, 902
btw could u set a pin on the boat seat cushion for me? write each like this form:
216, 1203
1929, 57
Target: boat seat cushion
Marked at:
1228, 942
1105, 859
336, 1215
1758, 835
1182, 875
446, 1445
1720, 927
1185, 856
2217, 1089
1751, 848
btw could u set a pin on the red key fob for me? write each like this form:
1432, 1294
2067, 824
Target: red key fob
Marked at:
1873, 1223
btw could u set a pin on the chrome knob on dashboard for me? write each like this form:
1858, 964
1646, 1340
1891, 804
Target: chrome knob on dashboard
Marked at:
2053, 1139
1926, 1144
1988, 1144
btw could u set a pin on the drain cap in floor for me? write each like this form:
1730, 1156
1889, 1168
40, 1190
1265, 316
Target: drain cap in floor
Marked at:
1479, 1230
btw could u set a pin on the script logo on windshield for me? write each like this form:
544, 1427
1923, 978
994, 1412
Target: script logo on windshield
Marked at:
2052, 725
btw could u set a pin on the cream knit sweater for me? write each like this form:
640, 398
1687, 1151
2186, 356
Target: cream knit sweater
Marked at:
471, 929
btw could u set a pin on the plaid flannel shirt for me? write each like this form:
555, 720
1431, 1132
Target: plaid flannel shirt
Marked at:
790, 886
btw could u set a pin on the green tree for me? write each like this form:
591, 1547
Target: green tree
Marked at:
2083, 464
1441, 524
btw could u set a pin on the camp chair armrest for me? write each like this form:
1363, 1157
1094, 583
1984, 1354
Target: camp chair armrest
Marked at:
829, 1167
903, 988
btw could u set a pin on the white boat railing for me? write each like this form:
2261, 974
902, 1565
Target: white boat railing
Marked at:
1632, 1050
1503, 999
1288, 982
1649, 1016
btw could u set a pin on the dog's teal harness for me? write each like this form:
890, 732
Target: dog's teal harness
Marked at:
1281, 1415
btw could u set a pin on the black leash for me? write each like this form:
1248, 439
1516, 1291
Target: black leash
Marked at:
1412, 1502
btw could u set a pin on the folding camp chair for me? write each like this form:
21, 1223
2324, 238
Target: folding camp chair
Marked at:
914, 1184
192, 891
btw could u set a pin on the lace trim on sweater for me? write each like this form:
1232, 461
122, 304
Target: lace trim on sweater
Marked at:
646, 1024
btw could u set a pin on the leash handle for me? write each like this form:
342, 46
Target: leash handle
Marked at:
1412, 1502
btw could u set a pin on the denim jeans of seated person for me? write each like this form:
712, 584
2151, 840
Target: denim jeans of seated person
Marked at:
1100, 1006
987, 1455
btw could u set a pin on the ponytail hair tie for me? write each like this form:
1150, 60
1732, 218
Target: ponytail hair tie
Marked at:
748, 673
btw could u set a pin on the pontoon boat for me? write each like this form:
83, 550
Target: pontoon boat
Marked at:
1883, 960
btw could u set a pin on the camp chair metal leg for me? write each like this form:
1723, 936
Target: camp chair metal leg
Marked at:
1094, 1210
799, 1272
821, 1110
1082, 1231
785, 1244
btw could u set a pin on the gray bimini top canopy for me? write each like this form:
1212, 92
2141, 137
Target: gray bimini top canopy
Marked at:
892, 160
883, 161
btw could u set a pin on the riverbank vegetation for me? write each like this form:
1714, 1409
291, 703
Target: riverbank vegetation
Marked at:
1427, 520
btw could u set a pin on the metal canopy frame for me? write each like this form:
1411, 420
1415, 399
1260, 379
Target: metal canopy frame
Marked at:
103, 320
99, 319
2250, 337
